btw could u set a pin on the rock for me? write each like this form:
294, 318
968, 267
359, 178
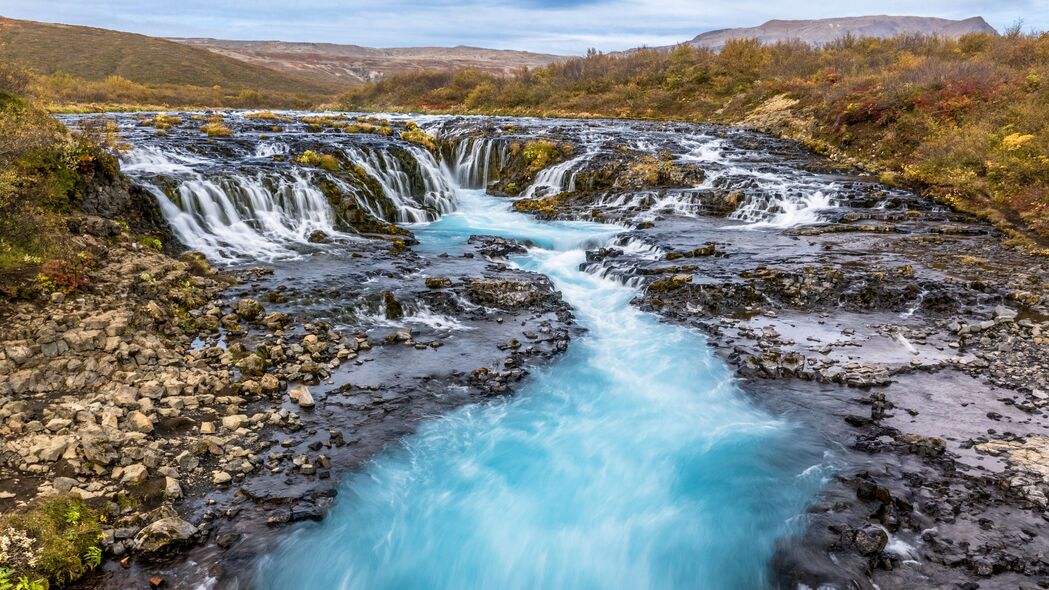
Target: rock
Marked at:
393, 308
164, 534
172, 488
186, 461
252, 364
269, 383
870, 539
318, 237
221, 478
62, 485
275, 320
1004, 314
139, 422
134, 474
504, 293
233, 422
248, 309
302, 396
438, 282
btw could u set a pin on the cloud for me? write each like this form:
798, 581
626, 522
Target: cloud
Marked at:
553, 26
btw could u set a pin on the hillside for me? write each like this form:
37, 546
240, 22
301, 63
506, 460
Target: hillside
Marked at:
822, 31
94, 54
349, 65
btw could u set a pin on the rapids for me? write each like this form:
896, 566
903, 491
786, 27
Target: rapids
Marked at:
633, 462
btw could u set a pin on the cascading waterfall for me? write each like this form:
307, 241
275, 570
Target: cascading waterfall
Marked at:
473, 160
412, 205
234, 216
558, 178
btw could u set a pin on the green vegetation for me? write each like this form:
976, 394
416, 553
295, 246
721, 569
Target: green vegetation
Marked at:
53, 542
965, 120
415, 135
540, 153
324, 161
43, 168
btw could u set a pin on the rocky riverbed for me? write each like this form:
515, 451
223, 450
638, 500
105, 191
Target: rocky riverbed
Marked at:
203, 401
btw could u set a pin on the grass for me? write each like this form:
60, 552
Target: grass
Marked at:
966, 121
55, 541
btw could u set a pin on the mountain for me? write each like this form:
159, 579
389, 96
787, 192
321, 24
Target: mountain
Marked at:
818, 32
94, 54
348, 65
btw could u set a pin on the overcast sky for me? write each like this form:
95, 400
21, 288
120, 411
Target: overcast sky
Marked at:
551, 26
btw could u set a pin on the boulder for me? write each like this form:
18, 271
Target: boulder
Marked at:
164, 534
139, 422
302, 396
248, 309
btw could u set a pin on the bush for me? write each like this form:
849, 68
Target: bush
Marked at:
417, 136
324, 161
55, 541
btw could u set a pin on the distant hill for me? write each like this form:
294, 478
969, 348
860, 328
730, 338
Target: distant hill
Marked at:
349, 65
821, 31
94, 54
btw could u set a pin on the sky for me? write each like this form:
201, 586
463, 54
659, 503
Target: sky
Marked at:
548, 26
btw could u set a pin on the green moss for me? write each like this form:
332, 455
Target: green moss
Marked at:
65, 534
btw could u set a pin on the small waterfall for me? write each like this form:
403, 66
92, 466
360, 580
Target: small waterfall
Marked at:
413, 203
556, 179
473, 160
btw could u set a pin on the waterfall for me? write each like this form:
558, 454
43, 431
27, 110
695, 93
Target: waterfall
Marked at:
556, 179
414, 204
473, 160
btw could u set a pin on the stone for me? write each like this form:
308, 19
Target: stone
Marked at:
269, 383
164, 534
139, 422
221, 478
248, 309
870, 540
134, 474
172, 488
234, 422
62, 485
1005, 314
302, 396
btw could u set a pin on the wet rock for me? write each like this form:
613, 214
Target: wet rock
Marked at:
504, 293
248, 309
438, 282
870, 540
164, 534
302, 396
392, 308
318, 237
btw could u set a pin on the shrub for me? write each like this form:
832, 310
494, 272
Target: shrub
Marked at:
414, 134
56, 541
540, 153
216, 130
324, 161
